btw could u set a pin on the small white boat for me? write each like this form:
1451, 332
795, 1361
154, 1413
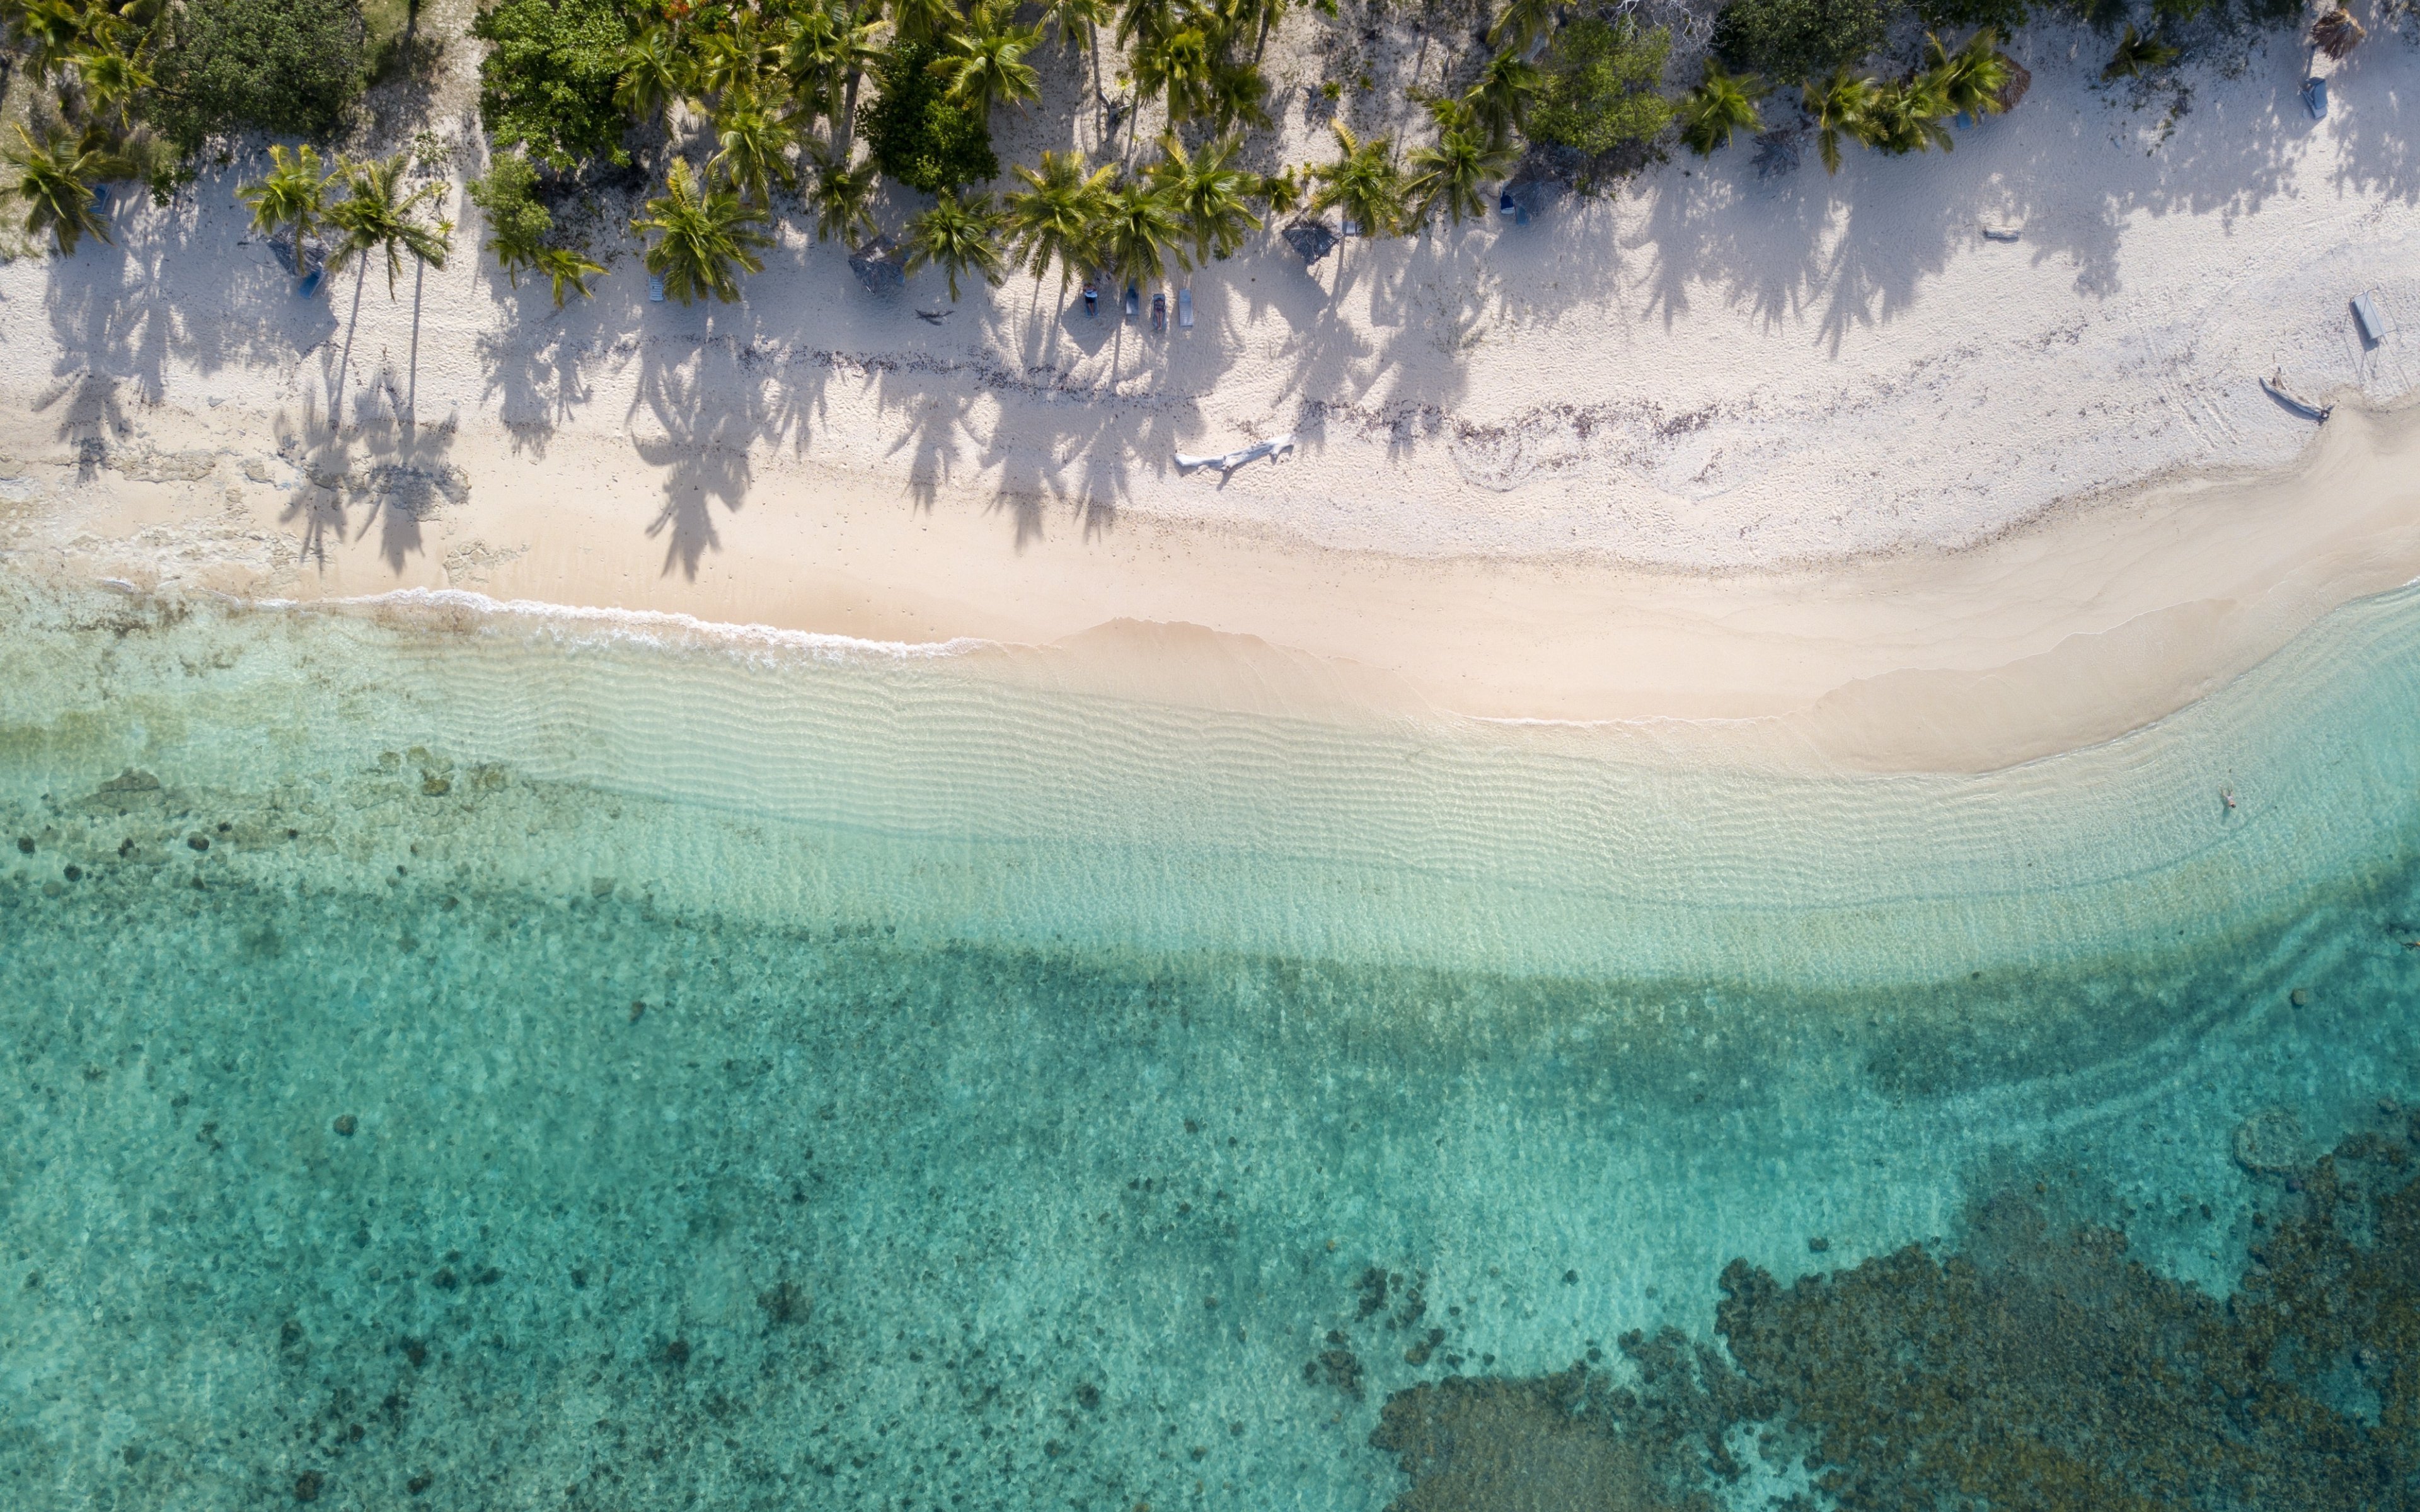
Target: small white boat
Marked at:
2318, 413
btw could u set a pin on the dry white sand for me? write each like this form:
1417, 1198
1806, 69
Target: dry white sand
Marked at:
1720, 448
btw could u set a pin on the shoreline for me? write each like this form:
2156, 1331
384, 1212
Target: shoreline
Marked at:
2063, 632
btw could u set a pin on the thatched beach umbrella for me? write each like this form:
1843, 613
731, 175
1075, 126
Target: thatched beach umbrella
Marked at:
2020, 80
1311, 240
2337, 33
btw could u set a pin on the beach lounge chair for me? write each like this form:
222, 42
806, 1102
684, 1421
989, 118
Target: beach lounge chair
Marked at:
2001, 233
310, 285
655, 289
1159, 311
1134, 302
1509, 209
2314, 97
1184, 309
2366, 320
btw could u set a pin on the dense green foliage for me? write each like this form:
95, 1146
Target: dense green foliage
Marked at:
2002, 16
918, 134
547, 84
1792, 40
291, 67
1601, 93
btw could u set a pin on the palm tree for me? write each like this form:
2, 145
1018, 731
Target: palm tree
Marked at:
843, 195
655, 71
921, 21
1722, 104
984, 63
294, 194
731, 61
111, 77
1138, 229
1207, 193
376, 214
752, 147
1364, 183
1842, 102
55, 181
1973, 77
1523, 22
1068, 19
1906, 117
52, 29
1450, 175
1238, 96
2138, 55
702, 234
1500, 97
566, 269
1282, 191
1058, 212
1181, 64
956, 236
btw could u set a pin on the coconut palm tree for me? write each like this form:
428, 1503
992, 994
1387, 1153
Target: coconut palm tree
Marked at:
705, 238
1722, 104
1364, 182
1501, 95
1181, 65
1906, 117
56, 179
752, 147
1208, 194
1973, 77
823, 48
985, 62
657, 69
1840, 103
294, 195
923, 20
1238, 95
1058, 213
566, 270
1139, 228
1523, 22
51, 31
2138, 55
111, 77
843, 195
376, 214
1450, 174
957, 235
733, 58
1282, 191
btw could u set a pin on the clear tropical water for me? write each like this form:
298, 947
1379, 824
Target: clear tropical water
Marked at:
483, 1059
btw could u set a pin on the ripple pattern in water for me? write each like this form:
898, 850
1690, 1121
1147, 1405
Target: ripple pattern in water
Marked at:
472, 1067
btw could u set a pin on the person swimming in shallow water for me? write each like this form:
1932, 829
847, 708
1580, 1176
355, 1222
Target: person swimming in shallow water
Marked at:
2227, 796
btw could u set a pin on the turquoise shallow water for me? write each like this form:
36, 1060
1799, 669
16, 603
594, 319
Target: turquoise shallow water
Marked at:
481, 1059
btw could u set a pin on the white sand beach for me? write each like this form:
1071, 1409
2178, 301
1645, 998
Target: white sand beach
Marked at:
1716, 448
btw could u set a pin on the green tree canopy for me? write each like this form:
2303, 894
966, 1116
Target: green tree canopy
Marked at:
1601, 91
1799, 38
705, 238
548, 83
291, 67
918, 134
